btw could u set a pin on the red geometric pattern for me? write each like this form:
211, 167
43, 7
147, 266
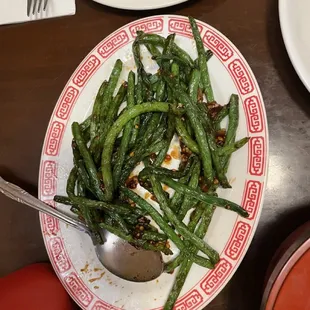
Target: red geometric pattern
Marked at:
216, 277
87, 69
78, 289
182, 26
190, 301
238, 240
217, 45
54, 137
112, 44
241, 76
50, 225
152, 25
48, 178
99, 305
58, 254
253, 110
257, 156
66, 102
251, 197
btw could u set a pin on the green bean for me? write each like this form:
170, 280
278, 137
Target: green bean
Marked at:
108, 220
202, 61
120, 97
89, 163
194, 219
169, 135
136, 121
112, 113
131, 219
188, 201
177, 198
154, 236
86, 123
114, 132
169, 42
146, 85
173, 264
160, 90
97, 141
155, 215
138, 156
232, 126
71, 182
231, 148
161, 129
100, 205
95, 116
180, 227
127, 130
189, 127
149, 132
80, 165
178, 60
175, 70
141, 243
194, 84
213, 146
187, 263
216, 201
88, 215
160, 96
119, 221
156, 39
81, 188
155, 52
178, 284
145, 119
220, 116
154, 78
194, 118
76, 210
209, 55
146, 172
185, 136
108, 94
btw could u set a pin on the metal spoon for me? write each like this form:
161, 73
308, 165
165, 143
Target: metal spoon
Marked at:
118, 256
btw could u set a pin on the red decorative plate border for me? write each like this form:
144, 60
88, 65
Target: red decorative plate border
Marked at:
241, 236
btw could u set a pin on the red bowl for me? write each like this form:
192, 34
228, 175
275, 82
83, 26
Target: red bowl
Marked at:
288, 280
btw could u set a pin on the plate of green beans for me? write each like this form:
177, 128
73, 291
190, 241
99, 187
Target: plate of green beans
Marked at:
160, 137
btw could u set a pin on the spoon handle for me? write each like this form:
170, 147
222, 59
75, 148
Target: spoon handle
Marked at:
18, 194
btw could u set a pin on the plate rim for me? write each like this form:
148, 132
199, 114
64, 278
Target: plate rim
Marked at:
265, 158
140, 8
292, 52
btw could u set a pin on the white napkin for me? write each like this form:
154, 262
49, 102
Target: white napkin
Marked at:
16, 11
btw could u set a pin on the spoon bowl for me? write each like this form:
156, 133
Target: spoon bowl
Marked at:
115, 254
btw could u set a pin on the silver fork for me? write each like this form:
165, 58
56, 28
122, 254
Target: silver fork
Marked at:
32, 5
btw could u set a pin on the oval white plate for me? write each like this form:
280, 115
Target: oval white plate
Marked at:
72, 253
295, 25
140, 4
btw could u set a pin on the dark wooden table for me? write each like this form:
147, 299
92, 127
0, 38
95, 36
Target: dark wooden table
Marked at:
36, 60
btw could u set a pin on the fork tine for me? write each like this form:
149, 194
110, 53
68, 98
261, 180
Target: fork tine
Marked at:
34, 6
45, 4
28, 7
39, 6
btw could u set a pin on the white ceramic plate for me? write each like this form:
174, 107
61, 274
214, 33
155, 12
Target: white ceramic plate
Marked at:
295, 25
72, 253
140, 4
